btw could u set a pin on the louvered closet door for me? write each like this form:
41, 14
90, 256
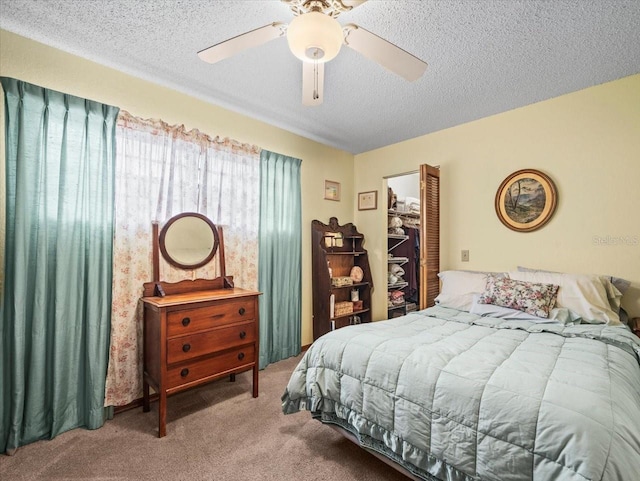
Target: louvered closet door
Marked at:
429, 234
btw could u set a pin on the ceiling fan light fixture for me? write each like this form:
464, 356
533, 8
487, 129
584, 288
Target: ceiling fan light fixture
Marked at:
314, 36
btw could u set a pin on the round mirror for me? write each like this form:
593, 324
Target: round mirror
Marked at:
189, 240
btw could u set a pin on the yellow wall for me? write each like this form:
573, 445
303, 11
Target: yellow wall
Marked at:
38, 64
587, 141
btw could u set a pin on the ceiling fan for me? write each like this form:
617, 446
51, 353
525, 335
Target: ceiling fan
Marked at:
315, 37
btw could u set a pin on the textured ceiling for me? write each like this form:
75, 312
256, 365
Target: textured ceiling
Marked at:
484, 56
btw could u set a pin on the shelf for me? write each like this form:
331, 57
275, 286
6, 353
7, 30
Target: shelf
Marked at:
345, 253
397, 260
413, 215
396, 237
395, 240
393, 308
411, 306
354, 313
329, 259
359, 284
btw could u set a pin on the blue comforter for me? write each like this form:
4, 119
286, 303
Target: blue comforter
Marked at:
453, 396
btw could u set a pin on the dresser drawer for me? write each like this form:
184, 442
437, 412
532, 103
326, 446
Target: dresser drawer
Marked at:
195, 319
194, 345
193, 371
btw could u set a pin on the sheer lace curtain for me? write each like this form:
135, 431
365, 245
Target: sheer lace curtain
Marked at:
161, 171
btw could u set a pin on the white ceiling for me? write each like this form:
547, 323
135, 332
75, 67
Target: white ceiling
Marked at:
484, 56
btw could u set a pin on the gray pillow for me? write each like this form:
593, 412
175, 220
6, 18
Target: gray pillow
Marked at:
621, 284
624, 316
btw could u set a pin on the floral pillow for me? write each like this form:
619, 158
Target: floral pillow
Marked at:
532, 298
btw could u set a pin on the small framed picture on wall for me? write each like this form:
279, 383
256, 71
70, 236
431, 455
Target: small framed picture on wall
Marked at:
368, 200
331, 190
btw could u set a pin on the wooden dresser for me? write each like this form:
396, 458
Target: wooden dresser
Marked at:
195, 337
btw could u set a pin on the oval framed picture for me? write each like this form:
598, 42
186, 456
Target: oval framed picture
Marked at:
526, 200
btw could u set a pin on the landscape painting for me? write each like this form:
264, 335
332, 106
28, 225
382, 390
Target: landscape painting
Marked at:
524, 200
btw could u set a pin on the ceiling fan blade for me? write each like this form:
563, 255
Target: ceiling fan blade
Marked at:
234, 45
352, 3
312, 83
385, 53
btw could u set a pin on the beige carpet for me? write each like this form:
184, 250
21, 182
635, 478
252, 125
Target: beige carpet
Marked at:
215, 432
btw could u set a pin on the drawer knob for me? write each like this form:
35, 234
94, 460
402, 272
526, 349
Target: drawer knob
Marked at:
184, 372
241, 311
243, 334
186, 347
241, 356
186, 321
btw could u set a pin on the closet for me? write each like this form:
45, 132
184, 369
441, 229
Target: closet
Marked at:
413, 240
403, 244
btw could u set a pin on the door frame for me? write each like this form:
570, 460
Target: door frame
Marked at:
429, 230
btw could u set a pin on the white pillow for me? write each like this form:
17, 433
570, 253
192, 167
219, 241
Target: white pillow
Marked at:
459, 287
583, 294
558, 315
614, 286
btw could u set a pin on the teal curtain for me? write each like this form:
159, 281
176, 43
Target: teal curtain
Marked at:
55, 316
279, 267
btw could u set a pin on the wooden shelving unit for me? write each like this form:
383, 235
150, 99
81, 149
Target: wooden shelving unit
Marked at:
335, 250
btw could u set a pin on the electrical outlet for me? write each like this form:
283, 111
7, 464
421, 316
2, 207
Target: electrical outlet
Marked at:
465, 256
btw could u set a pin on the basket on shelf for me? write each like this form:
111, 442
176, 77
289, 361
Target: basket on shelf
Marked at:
343, 308
341, 281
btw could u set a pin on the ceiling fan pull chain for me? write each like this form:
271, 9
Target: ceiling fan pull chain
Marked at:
315, 75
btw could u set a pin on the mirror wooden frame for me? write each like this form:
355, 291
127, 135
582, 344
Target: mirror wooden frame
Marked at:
161, 288
163, 234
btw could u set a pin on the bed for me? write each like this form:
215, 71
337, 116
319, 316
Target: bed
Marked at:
450, 393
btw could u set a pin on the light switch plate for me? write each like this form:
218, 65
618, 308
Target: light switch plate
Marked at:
465, 256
